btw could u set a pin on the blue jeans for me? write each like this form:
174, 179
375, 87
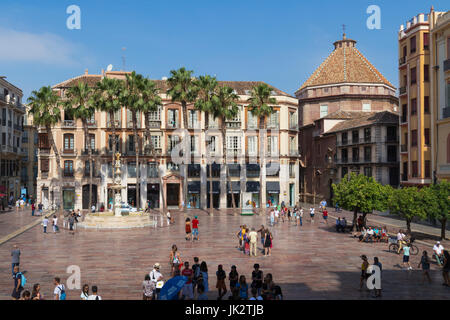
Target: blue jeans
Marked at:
45, 229
301, 221
32, 212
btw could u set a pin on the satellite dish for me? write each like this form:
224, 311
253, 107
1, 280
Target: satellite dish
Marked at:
109, 68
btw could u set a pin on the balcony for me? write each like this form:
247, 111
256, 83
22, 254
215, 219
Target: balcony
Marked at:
68, 124
233, 152
233, 125
402, 90
45, 151
18, 127
154, 124
252, 126
68, 152
293, 126
193, 125
273, 126
117, 124
402, 61
403, 148
293, 153
68, 174
130, 124
446, 65
85, 152
391, 139
92, 123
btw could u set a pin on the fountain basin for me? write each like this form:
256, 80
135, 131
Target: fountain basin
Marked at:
108, 220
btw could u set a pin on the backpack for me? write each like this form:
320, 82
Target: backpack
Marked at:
62, 295
23, 280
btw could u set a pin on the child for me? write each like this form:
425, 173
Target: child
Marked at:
45, 224
246, 243
425, 262
406, 250
221, 287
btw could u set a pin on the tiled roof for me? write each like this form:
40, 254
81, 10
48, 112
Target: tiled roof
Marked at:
345, 64
241, 87
362, 119
340, 114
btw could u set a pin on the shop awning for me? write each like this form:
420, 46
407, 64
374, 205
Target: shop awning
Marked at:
216, 187
272, 168
236, 185
253, 186
234, 169
193, 186
273, 187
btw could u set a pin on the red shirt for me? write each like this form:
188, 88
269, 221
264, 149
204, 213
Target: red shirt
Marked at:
195, 224
325, 213
188, 273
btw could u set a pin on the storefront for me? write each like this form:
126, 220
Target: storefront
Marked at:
253, 189
236, 186
215, 194
273, 193
153, 195
68, 198
131, 194
193, 201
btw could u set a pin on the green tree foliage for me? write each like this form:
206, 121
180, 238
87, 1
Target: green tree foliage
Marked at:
436, 200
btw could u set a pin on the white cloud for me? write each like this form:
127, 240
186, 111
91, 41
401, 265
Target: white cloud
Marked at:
18, 46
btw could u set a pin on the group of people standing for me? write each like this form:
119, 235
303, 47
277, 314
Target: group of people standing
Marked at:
248, 239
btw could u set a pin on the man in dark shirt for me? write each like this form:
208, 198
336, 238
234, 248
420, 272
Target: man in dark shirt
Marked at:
18, 288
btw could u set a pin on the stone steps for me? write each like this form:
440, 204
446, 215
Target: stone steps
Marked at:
113, 222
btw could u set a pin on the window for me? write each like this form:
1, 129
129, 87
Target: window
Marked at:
45, 165
274, 121
404, 113
91, 140
172, 118
172, 140
131, 144
233, 142
426, 73
131, 169
252, 145
68, 168
87, 172
193, 119
291, 170
130, 119
366, 107
392, 153
252, 121
194, 144
212, 143
413, 138
116, 119
355, 136
426, 104
368, 171
367, 134
344, 137
355, 154
323, 110
293, 120
272, 145
152, 170
111, 141
215, 170
344, 155
193, 170
69, 142
110, 170
415, 171
412, 46
367, 154
155, 115
426, 41
413, 76
173, 166
427, 169
413, 106
156, 141
427, 136
344, 171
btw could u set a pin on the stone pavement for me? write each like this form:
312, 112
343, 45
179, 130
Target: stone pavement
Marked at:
309, 262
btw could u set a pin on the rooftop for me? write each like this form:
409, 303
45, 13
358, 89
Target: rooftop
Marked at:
363, 119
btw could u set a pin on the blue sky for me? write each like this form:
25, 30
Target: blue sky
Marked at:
279, 42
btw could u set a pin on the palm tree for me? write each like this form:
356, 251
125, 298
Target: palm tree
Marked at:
206, 86
131, 98
45, 108
260, 102
106, 97
182, 89
224, 107
151, 102
80, 104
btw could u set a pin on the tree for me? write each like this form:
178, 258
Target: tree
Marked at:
260, 105
407, 203
360, 194
206, 87
182, 89
45, 108
131, 98
436, 200
80, 104
106, 97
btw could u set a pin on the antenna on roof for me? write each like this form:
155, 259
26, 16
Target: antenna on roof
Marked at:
123, 58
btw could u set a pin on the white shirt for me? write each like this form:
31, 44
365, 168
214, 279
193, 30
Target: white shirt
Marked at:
58, 289
370, 232
154, 275
94, 297
400, 236
277, 213
438, 249
301, 213
84, 296
55, 221
45, 222
311, 210
168, 215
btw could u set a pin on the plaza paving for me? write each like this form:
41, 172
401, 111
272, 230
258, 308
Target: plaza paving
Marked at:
309, 262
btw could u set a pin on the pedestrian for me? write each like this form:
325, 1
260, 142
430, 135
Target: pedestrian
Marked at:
33, 208
187, 291
147, 288
425, 263
325, 215
233, 276
406, 251
301, 217
45, 224
196, 273
257, 278
40, 208
272, 217
55, 224
220, 285
438, 250
15, 258
243, 287
168, 216
17, 210
26, 295
446, 268
71, 221
239, 235
262, 232
311, 213
175, 259
36, 293
157, 278
94, 295
59, 293
195, 224
253, 237
246, 242
277, 214
18, 285
364, 274
85, 292
204, 275
267, 243
188, 229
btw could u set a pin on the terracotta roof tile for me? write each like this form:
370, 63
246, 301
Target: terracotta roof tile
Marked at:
362, 119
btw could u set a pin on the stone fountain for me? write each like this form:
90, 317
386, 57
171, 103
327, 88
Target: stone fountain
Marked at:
115, 219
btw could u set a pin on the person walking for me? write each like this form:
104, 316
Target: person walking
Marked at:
253, 237
59, 293
55, 224
15, 258
195, 224
243, 288
175, 259
40, 208
311, 214
267, 243
301, 217
18, 285
33, 208
325, 215
157, 278
425, 264
188, 229
45, 224
364, 274
233, 276
438, 250
262, 232
220, 285
169, 218
36, 293
204, 275
147, 288
272, 217
406, 251
71, 222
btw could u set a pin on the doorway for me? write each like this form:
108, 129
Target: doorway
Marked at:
68, 199
131, 195
153, 195
173, 194
86, 196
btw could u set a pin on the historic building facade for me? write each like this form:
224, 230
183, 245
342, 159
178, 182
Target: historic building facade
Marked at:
440, 92
11, 130
162, 180
342, 88
29, 170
